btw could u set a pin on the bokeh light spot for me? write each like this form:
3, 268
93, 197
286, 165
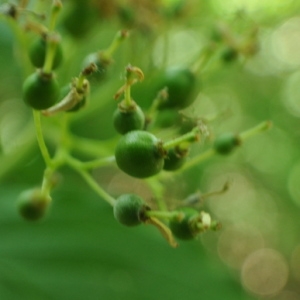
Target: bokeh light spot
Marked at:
295, 263
294, 183
237, 242
265, 272
286, 43
291, 94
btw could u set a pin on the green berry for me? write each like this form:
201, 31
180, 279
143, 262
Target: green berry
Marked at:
78, 18
175, 159
180, 83
40, 91
37, 53
33, 205
183, 229
102, 63
226, 143
229, 54
127, 15
139, 154
129, 210
126, 119
167, 118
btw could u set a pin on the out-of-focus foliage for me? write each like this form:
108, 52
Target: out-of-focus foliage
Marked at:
79, 251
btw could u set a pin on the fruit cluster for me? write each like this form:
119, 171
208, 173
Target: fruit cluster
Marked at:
140, 152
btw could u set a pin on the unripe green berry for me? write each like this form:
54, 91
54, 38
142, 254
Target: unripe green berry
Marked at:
183, 229
79, 17
101, 62
229, 54
180, 83
167, 118
40, 91
129, 210
33, 205
175, 159
37, 53
126, 119
226, 143
139, 154
127, 15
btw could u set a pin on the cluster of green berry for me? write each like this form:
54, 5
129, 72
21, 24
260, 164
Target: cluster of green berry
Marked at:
139, 152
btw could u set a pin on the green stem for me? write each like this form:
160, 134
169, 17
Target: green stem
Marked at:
118, 39
197, 159
161, 97
76, 165
56, 7
47, 181
98, 163
40, 138
164, 230
128, 100
255, 130
158, 190
164, 214
52, 41
80, 82
211, 152
189, 137
90, 147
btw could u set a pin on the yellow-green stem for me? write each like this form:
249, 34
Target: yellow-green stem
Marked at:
158, 190
56, 7
197, 159
47, 181
164, 230
80, 82
50, 53
189, 137
98, 163
160, 98
90, 181
120, 36
128, 99
255, 130
40, 138
163, 214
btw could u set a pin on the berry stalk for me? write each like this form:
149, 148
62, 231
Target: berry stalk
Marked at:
52, 41
184, 140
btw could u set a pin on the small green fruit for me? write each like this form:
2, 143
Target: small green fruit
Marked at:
180, 83
175, 159
229, 54
32, 205
102, 63
127, 15
40, 91
79, 17
126, 119
37, 53
167, 118
226, 143
183, 229
129, 210
139, 154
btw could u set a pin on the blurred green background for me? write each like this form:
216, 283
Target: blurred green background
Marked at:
79, 251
